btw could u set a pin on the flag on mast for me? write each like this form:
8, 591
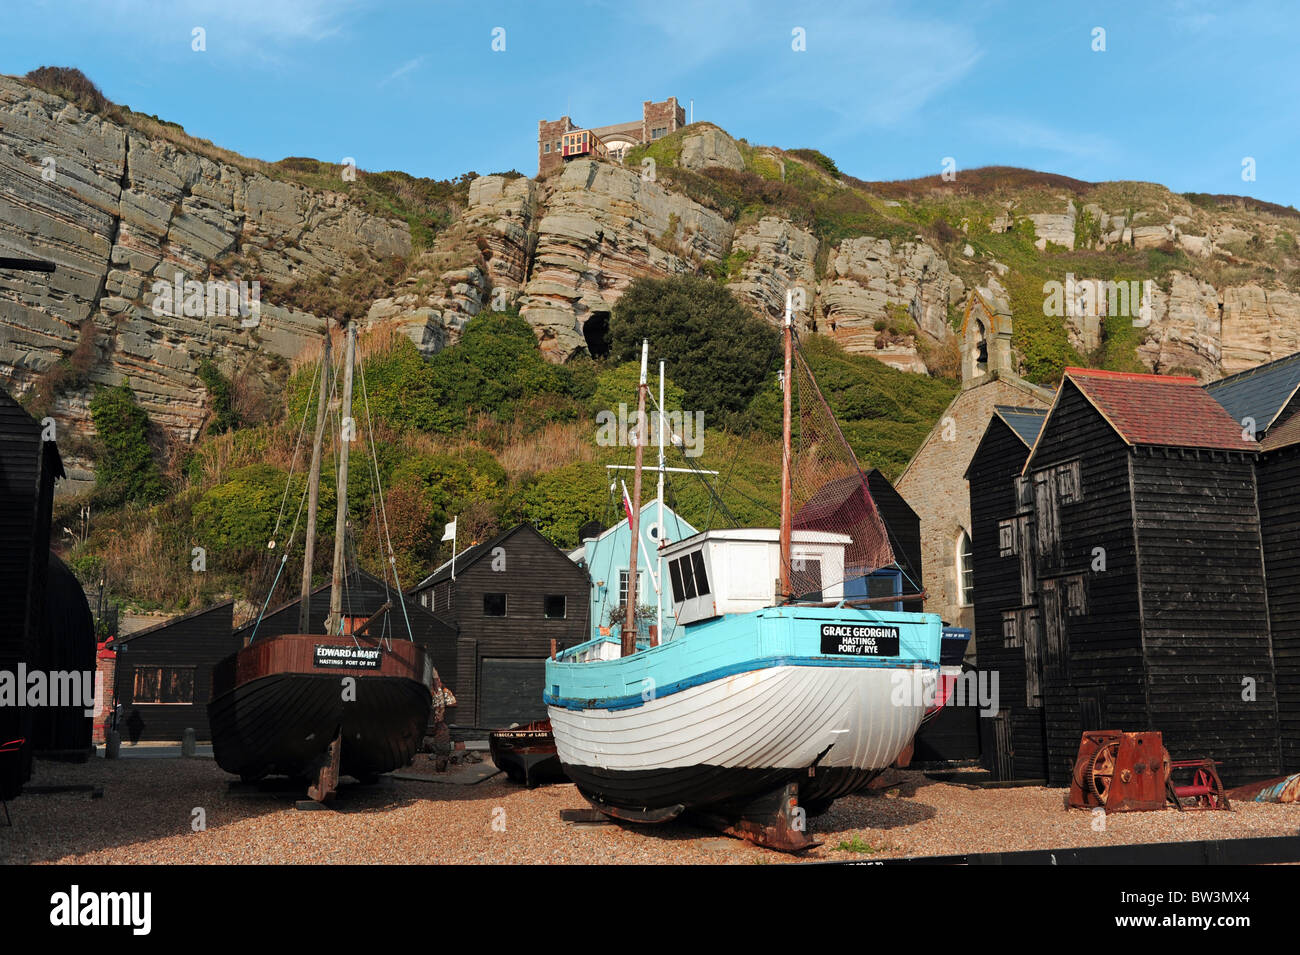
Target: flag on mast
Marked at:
449, 534
627, 503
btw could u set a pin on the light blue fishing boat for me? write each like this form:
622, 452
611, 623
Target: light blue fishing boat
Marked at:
774, 694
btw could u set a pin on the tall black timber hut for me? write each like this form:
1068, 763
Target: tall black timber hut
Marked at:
1143, 605
1265, 400
1014, 741
33, 583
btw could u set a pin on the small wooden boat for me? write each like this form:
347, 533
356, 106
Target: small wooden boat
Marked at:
316, 706
527, 754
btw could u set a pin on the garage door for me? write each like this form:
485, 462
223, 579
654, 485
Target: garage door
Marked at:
511, 692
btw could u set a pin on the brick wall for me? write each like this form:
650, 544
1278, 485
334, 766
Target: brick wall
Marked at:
666, 115
549, 132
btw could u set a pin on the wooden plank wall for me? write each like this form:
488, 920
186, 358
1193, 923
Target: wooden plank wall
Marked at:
1205, 608
991, 474
1279, 507
1100, 653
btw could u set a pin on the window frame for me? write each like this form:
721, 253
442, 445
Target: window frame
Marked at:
965, 568
564, 606
505, 605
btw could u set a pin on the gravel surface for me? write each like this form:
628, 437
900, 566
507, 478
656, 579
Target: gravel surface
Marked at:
147, 811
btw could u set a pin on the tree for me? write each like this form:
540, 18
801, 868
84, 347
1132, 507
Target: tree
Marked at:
126, 468
717, 350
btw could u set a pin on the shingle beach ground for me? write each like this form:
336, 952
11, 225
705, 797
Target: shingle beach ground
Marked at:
147, 812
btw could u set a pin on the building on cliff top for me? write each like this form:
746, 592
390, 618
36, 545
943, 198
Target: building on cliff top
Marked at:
555, 140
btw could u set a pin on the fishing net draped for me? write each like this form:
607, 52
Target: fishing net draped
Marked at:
829, 494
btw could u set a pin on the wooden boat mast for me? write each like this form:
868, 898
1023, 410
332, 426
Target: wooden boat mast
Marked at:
313, 489
628, 641
783, 585
346, 430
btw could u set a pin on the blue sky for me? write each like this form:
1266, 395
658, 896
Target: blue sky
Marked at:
1183, 92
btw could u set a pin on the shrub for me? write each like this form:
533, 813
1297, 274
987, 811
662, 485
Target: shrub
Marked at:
716, 349
126, 466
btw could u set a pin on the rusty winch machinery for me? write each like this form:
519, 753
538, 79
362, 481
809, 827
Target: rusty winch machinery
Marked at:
1132, 772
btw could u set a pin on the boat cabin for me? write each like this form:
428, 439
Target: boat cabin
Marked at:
735, 571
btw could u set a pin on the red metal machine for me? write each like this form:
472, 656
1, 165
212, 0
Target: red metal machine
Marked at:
1132, 772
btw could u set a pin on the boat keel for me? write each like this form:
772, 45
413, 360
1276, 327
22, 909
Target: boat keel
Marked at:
773, 820
326, 786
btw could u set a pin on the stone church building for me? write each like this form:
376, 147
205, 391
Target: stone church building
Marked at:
934, 482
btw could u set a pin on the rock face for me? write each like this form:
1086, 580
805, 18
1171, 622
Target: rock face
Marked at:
124, 217
601, 226
708, 147
904, 290
780, 256
1058, 229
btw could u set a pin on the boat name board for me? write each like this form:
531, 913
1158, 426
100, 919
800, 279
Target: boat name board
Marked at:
357, 658
860, 640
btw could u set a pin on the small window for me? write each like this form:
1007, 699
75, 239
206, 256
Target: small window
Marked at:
656, 133
675, 572
546, 148
494, 605
701, 578
1010, 633
553, 606
1068, 489
1007, 538
164, 685
965, 571
688, 577
622, 588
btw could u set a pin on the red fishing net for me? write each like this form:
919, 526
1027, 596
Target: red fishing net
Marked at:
829, 493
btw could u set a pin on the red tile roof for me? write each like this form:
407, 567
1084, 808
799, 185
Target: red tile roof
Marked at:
1161, 410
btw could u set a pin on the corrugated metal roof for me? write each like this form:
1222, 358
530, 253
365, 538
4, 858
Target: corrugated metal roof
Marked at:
1258, 393
1160, 410
1025, 422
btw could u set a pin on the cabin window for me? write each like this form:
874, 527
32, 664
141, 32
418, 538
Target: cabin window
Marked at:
807, 574
494, 605
701, 578
164, 685
553, 607
689, 577
965, 571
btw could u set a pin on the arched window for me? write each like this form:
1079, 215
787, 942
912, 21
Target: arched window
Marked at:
965, 571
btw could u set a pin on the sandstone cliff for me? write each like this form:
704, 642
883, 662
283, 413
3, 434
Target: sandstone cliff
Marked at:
884, 268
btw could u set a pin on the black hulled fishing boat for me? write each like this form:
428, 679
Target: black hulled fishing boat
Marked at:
321, 705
